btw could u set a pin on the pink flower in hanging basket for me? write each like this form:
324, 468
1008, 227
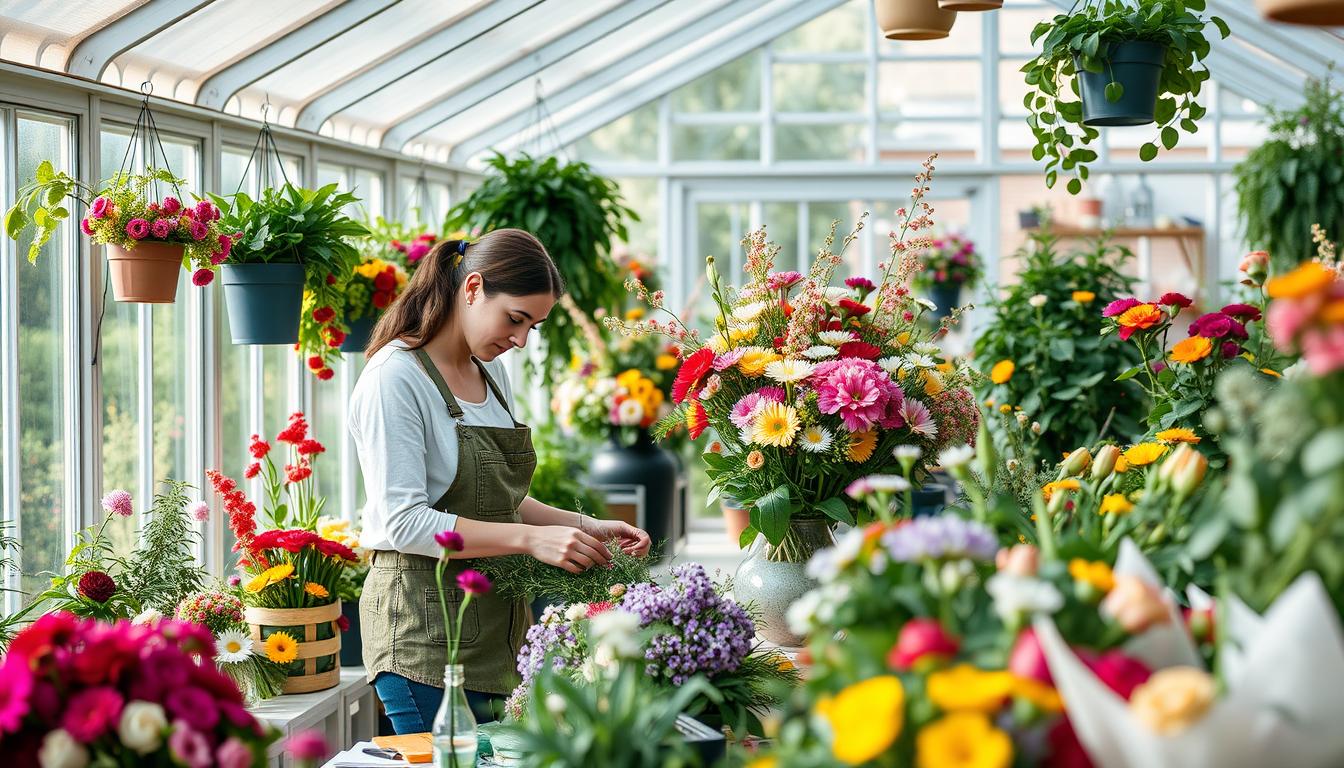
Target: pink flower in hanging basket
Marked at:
171, 205
85, 227
162, 228
137, 229
99, 208
202, 277
199, 231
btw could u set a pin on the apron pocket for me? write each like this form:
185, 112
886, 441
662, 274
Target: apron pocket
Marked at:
502, 480
471, 625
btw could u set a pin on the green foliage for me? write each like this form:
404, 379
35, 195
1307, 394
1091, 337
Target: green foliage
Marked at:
576, 213
162, 570
1082, 41
1293, 180
525, 577
761, 683
1064, 367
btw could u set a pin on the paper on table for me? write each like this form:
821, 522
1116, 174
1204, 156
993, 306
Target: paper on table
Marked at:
355, 758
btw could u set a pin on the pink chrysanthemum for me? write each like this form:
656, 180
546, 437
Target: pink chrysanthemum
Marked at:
772, 394
728, 359
745, 410
162, 228
118, 502
854, 388
199, 511
92, 712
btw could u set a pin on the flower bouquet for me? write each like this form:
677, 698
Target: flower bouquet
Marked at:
143, 231
76, 692
256, 674
405, 244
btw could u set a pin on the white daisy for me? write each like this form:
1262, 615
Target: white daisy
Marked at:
917, 360
927, 348
232, 646
820, 352
748, 312
891, 364
836, 338
907, 453
955, 456
630, 412
788, 371
815, 439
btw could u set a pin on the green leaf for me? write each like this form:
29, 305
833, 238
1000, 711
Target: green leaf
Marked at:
1075, 186
1129, 374
1169, 137
773, 509
1147, 152
748, 536
1114, 91
45, 172
1324, 452
1223, 29
15, 221
836, 509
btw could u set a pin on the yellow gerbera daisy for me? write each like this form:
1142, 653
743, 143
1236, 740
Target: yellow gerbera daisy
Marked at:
1098, 574
933, 383
316, 590
866, 718
1178, 435
963, 740
862, 445
278, 572
753, 363
1084, 297
776, 425
1303, 281
257, 583
1144, 454
281, 648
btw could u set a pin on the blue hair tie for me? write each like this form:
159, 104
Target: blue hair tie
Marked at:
461, 251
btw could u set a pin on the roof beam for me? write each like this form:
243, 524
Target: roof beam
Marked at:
414, 56
693, 64
514, 70
688, 36
220, 86
92, 55
1310, 50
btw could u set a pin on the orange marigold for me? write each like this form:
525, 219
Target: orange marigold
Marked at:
1191, 350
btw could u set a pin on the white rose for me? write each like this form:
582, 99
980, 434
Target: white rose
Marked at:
576, 611
60, 750
141, 727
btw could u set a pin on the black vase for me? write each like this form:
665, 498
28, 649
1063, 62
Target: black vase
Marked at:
645, 464
352, 646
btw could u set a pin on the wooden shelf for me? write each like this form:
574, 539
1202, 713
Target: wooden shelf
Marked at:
1069, 231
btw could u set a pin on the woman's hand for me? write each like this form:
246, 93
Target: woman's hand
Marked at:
567, 547
633, 541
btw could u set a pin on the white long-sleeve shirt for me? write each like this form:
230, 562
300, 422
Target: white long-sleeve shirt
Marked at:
407, 447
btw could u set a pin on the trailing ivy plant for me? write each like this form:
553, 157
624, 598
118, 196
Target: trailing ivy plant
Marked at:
1294, 179
1083, 39
576, 213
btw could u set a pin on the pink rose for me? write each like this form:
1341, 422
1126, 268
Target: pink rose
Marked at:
171, 205
162, 228
1135, 604
99, 208
921, 638
233, 753
189, 746
137, 229
1019, 560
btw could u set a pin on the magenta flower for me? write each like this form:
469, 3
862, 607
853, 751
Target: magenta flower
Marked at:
919, 638
16, 685
308, 745
199, 231
1239, 311
233, 754
234, 580
118, 502
745, 410
92, 712
202, 277
450, 541
772, 394
137, 229
162, 228
1231, 349
193, 706
1214, 325
473, 582
205, 211
779, 281
170, 205
99, 208
85, 227
1119, 306
190, 746
852, 387
860, 283
1174, 299
728, 359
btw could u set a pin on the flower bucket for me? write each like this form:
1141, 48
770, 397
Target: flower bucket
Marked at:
1136, 65
265, 302
1315, 13
318, 664
147, 273
360, 332
970, 5
914, 19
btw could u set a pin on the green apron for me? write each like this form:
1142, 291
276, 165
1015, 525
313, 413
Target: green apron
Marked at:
402, 625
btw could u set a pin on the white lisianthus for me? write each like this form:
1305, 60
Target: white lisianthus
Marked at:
1015, 596
956, 456
788, 371
748, 312
836, 338
891, 364
820, 352
60, 750
1038, 300
141, 726
916, 360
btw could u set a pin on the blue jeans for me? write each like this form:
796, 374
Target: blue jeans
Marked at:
411, 706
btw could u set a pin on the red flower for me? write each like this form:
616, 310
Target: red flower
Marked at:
696, 420
343, 623
323, 314
311, 447
1119, 672
1174, 299
1239, 311
259, 448
49, 632
833, 325
252, 470
1213, 325
315, 363
920, 638
384, 282
1027, 659
335, 336
221, 482
97, 586
1065, 749
336, 549
298, 473
861, 349
1231, 349
325, 374
854, 308
331, 279
596, 608
449, 540
692, 370
381, 299
296, 432
473, 582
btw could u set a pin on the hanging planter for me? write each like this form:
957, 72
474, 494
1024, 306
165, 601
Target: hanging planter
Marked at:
970, 5
914, 19
317, 665
146, 273
1136, 66
264, 302
1314, 13
370, 291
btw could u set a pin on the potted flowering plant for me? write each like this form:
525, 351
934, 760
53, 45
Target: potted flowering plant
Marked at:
809, 391
371, 289
285, 277
147, 239
405, 244
84, 692
950, 263
244, 661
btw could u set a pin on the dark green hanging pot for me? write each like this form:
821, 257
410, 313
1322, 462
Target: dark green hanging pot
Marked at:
361, 331
1137, 66
265, 302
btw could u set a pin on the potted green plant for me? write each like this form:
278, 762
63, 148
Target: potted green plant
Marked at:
1107, 65
950, 263
1293, 180
147, 240
576, 213
285, 277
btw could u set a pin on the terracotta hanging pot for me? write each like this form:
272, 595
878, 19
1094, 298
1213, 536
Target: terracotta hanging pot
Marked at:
1315, 13
913, 19
147, 273
970, 5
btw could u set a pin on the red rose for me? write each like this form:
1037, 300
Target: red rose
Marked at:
920, 638
1174, 299
97, 586
381, 299
384, 281
315, 363
1239, 311
692, 370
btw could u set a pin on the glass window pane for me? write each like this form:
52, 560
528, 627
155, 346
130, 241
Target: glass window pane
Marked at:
1012, 87
235, 398
633, 138
816, 87
277, 367
781, 221
369, 189
1239, 137
734, 87
328, 173
846, 141
930, 88
716, 142
915, 140
1015, 25
328, 422
719, 228
641, 194
820, 214
1124, 143
42, 314
843, 29
964, 39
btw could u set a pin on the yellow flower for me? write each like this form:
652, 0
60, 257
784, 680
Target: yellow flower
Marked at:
753, 362
861, 445
1002, 371
634, 313
1046, 698
257, 583
628, 378
1173, 699
1271, 372
965, 688
933, 383
1084, 297
743, 333
1097, 574
1191, 350
1067, 484
1144, 454
1178, 435
769, 761
1005, 408
902, 339
278, 572
866, 718
963, 740
316, 590
1115, 504
1307, 279
281, 648
776, 425
755, 460
665, 362
1121, 464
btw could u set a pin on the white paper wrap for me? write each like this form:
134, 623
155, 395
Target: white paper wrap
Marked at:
1285, 686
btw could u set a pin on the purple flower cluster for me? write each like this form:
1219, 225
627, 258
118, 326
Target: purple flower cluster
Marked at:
551, 636
945, 537
697, 629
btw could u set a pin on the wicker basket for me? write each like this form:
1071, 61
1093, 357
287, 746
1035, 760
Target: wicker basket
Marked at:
319, 643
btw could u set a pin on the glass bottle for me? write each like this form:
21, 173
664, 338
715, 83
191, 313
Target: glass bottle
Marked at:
1142, 206
454, 725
